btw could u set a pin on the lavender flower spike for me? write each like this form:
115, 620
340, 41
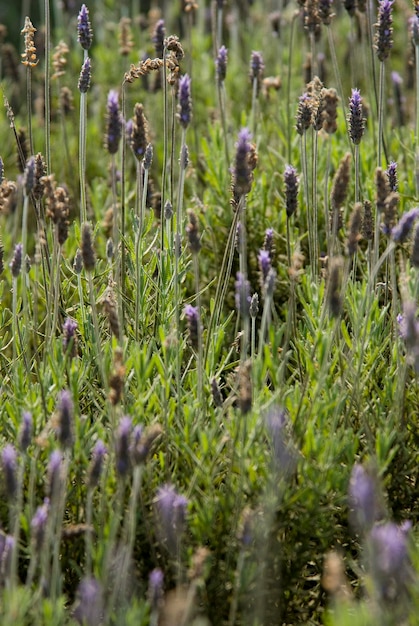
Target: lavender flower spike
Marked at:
185, 101
391, 172
96, 464
401, 231
123, 461
65, 419
390, 558
192, 319
221, 64
291, 189
171, 508
84, 28
383, 40
39, 524
9, 463
114, 123
85, 75
362, 498
25, 433
356, 120
90, 601
243, 298
242, 173
16, 262
265, 263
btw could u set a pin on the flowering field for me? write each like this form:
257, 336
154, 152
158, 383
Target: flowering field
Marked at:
209, 280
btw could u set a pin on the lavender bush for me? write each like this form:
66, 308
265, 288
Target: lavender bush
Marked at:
209, 356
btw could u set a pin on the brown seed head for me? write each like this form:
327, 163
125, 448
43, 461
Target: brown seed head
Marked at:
29, 56
126, 42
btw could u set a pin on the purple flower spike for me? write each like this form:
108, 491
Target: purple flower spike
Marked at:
389, 558
54, 474
192, 320
90, 603
155, 589
221, 64
65, 419
85, 76
391, 172
409, 332
39, 524
16, 262
171, 509
265, 263
383, 35
185, 101
291, 190
114, 123
363, 499
84, 29
9, 463
96, 464
243, 298
242, 172
356, 120
284, 456
401, 232
70, 337
123, 462
25, 434
158, 38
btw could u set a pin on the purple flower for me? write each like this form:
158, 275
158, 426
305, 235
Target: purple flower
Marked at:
242, 172
389, 558
185, 101
284, 457
304, 113
90, 604
114, 123
363, 500
25, 434
16, 262
155, 589
256, 70
402, 230
171, 509
85, 76
192, 320
243, 297
391, 172
409, 332
54, 474
65, 419
84, 29
268, 243
39, 524
221, 64
383, 35
158, 38
123, 462
265, 263
70, 337
96, 464
414, 25
291, 190
356, 120
9, 463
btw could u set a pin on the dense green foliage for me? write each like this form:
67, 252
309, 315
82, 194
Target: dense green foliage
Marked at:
232, 473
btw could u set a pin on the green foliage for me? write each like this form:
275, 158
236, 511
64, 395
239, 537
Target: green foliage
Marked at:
252, 424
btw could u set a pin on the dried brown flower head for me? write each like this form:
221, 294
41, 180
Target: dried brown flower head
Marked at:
29, 56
